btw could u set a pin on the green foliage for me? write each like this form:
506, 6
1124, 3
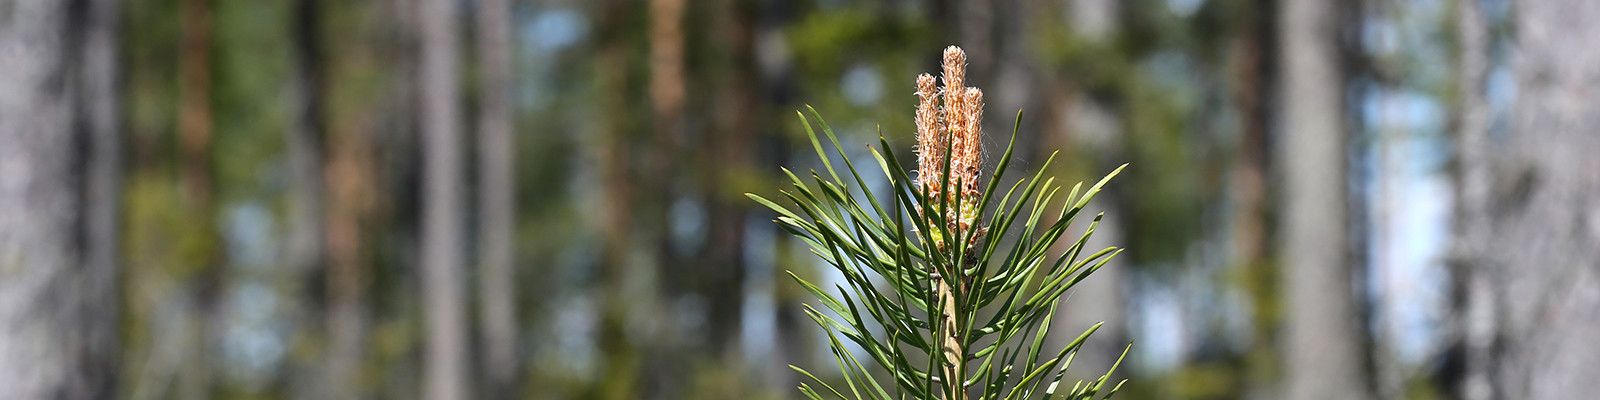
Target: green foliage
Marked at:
1011, 282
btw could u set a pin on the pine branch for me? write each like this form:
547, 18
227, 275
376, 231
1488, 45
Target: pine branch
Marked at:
919, 273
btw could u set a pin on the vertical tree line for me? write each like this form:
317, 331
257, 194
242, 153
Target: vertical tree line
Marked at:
443, 287
398, 197
196, 124
1252, 228
619, 358
496, 199
58, 268
1528, 204
1324, 358
1473, 346
100, 135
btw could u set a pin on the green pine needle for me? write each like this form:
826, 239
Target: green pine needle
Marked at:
889, 254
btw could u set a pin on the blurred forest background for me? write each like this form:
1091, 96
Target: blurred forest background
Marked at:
543, 198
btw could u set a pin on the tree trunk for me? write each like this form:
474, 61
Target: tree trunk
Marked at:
620, 359
196, 137
1324, 358
306, 247
1535, 248
100, 122
722, 280
1469, 358
793, 340
668, 95
57, 267
496, 201
304, 147
1248, 182
445, 369
349, 186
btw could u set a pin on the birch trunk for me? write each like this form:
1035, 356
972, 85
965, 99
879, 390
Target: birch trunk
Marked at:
1322, 350
445, 368
59, 145
1536, 220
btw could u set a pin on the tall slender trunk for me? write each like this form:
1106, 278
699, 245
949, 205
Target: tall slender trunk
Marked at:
668, 94
306, 247
668, 91
304, 146
1249, 189
100, 123
1471, 345
195, 137
793, 339
194, 97
1324, 357
350, 189
496, 200
733, 124
1539, 224
620, 358
60, 335
445, 362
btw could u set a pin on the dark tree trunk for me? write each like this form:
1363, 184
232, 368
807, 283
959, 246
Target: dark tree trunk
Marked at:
100, 124
793, 339
1250, 204
304, 246
620, 359
668, 92
722, 280
195, 137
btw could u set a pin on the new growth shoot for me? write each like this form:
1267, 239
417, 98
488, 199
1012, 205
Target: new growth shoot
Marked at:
942, 302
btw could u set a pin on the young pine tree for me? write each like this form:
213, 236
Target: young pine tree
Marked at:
942, 302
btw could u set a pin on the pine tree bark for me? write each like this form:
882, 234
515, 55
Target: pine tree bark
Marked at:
668, 92
1248, 184
1537, 191
496, 200
1322, 349
196, 124
445, 363
57, 269
349, 184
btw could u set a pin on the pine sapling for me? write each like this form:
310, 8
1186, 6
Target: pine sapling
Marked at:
942, 302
